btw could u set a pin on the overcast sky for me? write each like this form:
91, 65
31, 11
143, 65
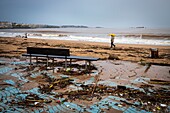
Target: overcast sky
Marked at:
103, 13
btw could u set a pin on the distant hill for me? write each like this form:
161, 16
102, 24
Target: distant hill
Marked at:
73, 26
13, 25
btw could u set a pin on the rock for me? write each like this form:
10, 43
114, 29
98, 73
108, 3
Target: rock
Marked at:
121, 87
113, 57
89, 51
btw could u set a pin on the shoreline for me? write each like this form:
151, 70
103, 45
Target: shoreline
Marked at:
101, 43
129, 36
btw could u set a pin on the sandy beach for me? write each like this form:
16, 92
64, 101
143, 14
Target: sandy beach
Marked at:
121, 82
56, 56
14, 47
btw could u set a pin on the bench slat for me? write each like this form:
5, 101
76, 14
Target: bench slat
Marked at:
83, 58
63, 57
48, 51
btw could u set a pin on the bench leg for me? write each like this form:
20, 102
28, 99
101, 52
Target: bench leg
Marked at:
70, 62
30, 60
47, 63
85, 65
89, 64
65, 63
53, 65
37, 60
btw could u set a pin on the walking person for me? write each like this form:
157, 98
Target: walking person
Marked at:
112, 40
26, 35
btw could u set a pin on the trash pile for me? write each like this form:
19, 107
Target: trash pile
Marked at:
60, 92
76, 69
148, 99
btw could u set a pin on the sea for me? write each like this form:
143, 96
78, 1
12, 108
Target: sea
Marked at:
143, 36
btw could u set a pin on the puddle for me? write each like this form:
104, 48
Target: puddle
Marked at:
107, 83
5, 70
141, 80
11, 82
90, 81
19, 63
19, 76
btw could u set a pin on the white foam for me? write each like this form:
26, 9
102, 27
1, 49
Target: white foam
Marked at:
119, 39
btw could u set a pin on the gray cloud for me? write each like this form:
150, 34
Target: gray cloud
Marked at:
106, 13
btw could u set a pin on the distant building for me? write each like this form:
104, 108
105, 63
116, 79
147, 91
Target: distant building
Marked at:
13, 25
4, 25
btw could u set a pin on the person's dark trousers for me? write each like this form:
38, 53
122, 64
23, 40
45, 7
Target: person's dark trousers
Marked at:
112, 44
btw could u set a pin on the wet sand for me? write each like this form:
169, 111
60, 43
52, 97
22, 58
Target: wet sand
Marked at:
130, 70
14, 47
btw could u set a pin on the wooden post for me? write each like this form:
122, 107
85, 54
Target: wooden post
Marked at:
154, 53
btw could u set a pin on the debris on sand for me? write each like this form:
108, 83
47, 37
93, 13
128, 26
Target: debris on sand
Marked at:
80, 92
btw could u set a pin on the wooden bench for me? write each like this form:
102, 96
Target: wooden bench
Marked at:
52, 53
